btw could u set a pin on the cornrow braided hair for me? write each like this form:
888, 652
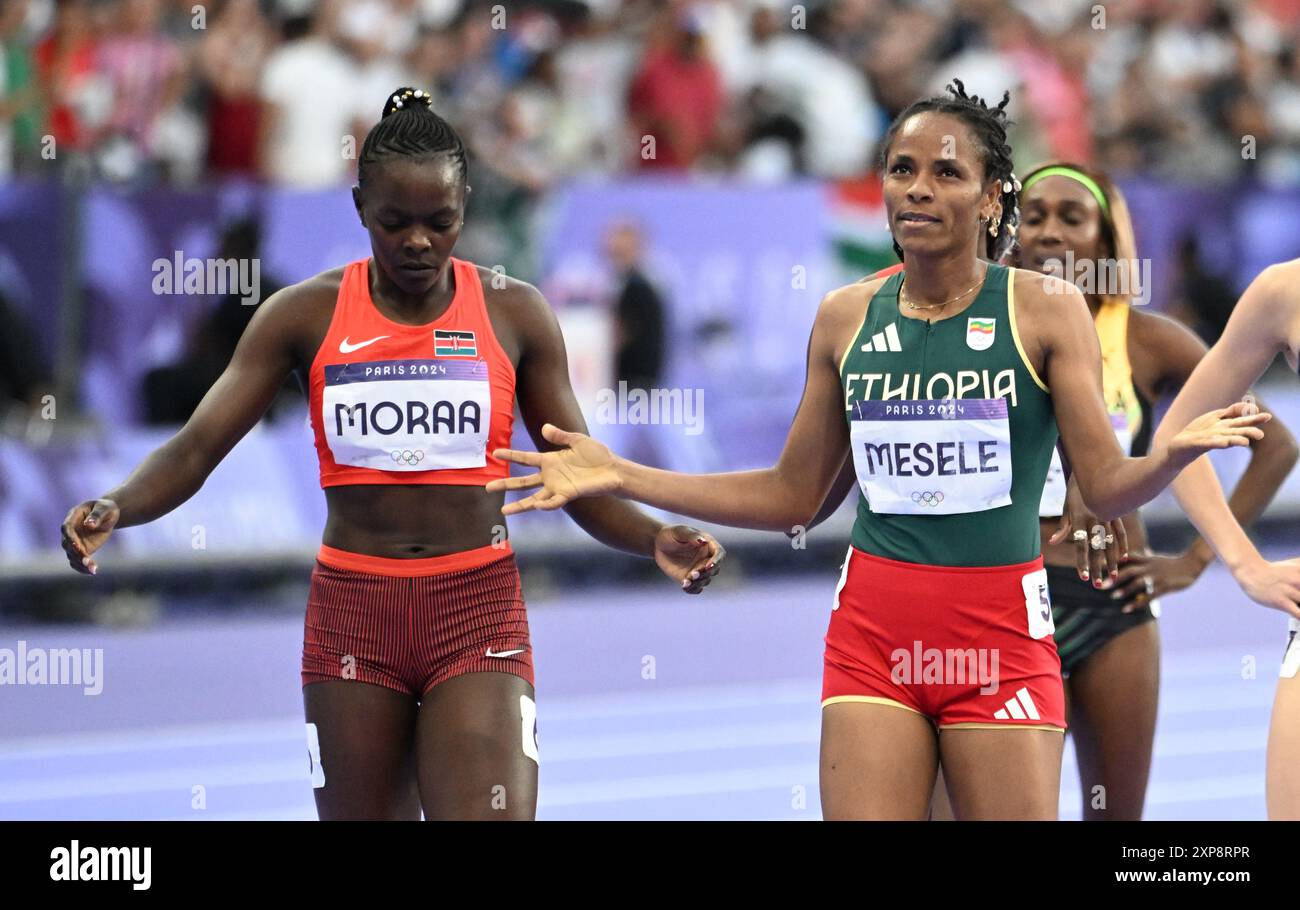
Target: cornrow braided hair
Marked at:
989, 124
409, 128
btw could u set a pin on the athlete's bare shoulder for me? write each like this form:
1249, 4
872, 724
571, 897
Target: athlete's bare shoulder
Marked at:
850, 302
1036, 290
1273, 300
1150, 328
519, 312
841, 313
300, 313
1043, 303
510, 293
1283, 277
312, 293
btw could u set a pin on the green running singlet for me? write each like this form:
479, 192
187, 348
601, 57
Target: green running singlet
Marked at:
951, 429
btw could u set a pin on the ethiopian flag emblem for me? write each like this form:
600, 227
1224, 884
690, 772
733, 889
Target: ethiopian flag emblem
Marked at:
454, 344
979, 333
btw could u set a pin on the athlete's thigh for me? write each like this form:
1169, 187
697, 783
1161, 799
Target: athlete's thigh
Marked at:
477, 752
1115, 694
877, 762
1283, 764
366, 735
941, 804
1002, 774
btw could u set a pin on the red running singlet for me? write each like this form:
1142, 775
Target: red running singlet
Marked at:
422, 404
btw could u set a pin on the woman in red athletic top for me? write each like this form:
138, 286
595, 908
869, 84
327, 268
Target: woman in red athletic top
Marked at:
417, 669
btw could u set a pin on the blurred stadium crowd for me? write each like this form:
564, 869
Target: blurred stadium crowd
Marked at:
184, 95
181, 91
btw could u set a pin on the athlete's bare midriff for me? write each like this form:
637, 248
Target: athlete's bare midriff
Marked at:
406, 521
401, 521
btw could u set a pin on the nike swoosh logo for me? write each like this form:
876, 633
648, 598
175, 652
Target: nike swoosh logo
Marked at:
505, 653
345, 348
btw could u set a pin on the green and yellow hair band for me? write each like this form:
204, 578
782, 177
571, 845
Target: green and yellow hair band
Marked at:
1076, 175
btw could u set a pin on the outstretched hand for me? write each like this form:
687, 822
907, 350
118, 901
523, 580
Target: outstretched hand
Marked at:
584, 467
1236, 425
1273, 584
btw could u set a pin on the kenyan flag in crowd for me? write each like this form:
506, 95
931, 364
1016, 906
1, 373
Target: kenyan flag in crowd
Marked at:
454, 344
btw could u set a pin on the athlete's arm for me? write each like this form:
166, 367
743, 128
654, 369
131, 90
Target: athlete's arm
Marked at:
545, 395
1177, 351
775, 498
1262, 325
845, 482
176, 470
1111, 483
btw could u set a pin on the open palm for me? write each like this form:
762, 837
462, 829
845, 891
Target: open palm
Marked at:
584, 467
1237, 425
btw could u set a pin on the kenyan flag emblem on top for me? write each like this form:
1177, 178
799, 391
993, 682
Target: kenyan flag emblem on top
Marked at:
454, 344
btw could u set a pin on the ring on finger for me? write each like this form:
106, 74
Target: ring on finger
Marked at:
1079, 535
1149, 583
1098, 538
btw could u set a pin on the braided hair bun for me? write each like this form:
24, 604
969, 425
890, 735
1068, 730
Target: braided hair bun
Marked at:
409, 128
407, 98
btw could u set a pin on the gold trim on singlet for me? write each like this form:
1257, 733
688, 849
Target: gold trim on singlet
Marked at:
854, 340
1120, 393
1015, 331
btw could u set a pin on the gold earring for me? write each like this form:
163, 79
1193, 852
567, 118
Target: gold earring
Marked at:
993, 227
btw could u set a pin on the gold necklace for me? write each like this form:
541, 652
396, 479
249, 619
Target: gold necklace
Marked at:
934, 306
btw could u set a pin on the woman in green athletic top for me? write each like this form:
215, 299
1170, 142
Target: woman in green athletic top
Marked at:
939, 386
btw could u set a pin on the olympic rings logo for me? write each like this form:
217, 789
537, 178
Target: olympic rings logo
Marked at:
927, 498
406, 455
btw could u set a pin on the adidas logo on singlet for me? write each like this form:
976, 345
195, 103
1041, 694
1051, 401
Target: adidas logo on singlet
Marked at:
884, 341
1021, 707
